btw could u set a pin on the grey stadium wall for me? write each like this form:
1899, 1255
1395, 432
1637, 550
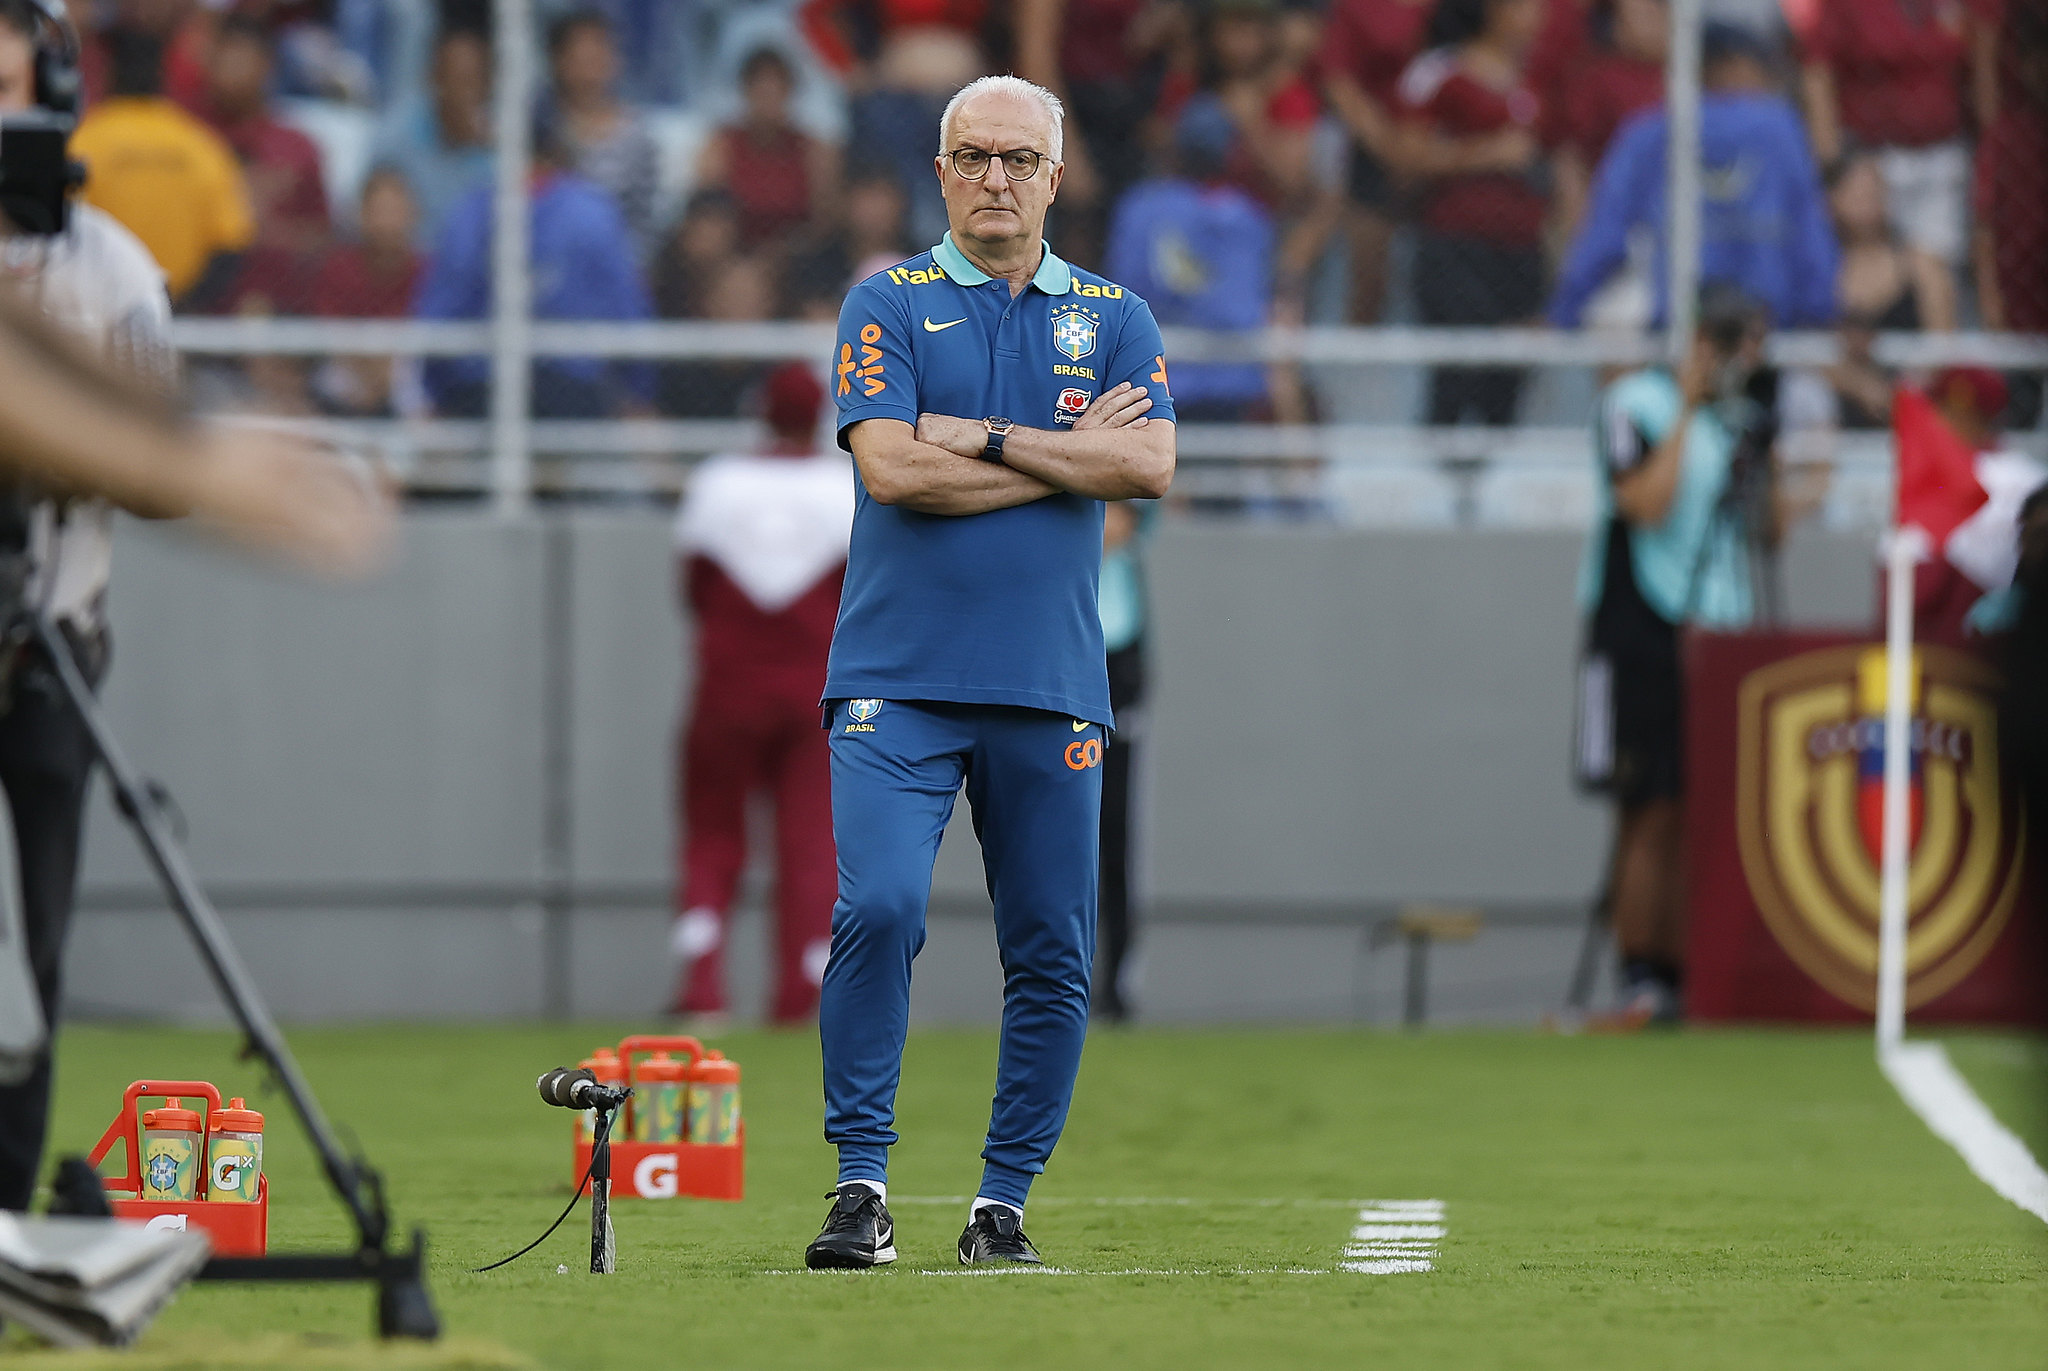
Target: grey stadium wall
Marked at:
1343, 722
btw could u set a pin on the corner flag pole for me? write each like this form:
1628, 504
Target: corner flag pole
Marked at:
1905, 547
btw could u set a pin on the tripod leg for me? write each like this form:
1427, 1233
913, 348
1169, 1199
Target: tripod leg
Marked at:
404, 1309
1590, 946
358, 1187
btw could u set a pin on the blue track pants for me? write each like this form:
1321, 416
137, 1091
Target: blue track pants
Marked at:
1034, 781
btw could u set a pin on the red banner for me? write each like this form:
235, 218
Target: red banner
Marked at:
1784, 764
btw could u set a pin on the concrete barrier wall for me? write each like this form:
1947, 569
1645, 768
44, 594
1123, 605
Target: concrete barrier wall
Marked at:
1343, 721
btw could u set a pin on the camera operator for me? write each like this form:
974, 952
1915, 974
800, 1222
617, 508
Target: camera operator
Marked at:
93, 280
1689, 516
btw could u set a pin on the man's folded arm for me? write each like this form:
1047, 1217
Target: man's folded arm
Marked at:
898, 469
1129, 459
1131, 463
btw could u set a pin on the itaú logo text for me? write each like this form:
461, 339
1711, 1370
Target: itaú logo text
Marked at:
1084, 753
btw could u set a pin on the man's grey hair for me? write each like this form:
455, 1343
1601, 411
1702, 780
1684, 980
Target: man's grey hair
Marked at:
1006, 85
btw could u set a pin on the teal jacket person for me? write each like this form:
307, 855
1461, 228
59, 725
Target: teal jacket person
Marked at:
992, 397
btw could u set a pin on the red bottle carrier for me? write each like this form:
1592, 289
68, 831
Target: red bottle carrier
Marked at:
666, 1170
237, 1229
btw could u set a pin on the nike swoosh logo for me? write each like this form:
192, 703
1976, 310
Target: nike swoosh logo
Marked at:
930, 327
1080, 726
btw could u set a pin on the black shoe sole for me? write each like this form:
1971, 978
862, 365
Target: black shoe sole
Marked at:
831, 1259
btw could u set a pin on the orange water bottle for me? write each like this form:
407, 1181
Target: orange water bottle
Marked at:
714, 1101
234, 1154
658, 1100
611, 1073
172, 1137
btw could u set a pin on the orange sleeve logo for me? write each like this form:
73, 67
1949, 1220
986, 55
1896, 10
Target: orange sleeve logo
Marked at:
1160, 375
867, 369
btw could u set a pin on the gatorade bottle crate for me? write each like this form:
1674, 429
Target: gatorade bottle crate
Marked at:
668, 1169
237, 1228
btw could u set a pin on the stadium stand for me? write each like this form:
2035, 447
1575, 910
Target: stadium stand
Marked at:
1432, 167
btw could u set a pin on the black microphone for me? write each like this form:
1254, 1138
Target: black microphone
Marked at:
578, 1089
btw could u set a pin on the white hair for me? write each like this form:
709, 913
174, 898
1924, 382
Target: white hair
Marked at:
1007, 85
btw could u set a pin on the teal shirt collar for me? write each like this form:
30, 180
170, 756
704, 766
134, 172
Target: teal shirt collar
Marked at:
1053, 276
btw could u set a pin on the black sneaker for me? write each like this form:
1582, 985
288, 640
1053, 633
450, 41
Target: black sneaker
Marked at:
995, 1236
858, 1232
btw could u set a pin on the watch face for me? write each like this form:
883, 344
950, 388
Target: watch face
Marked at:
998, 425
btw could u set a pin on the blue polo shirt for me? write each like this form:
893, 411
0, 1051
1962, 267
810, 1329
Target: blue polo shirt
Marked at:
996, 608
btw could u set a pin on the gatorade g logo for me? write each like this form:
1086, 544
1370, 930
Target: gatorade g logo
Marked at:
1084, 753
655, 1177
1809, 782
166, 1223
226, 1174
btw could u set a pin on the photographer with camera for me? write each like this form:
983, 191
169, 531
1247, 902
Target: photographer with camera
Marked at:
92, 279
1689, 515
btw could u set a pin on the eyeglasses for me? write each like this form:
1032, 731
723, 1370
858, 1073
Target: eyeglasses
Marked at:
1019, 164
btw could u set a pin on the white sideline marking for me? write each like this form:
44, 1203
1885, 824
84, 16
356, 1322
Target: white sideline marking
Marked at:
1395, 1238
1071, 1271
1391, 1237
1118, 1201
1929, 1082
1132, 1271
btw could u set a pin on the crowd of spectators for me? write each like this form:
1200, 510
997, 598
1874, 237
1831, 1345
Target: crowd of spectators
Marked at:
1870, 165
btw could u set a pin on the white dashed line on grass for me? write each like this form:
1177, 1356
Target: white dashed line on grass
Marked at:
1395, 1238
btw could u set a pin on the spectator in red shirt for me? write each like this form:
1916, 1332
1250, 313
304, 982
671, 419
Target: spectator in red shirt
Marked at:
1103, 58
1366, 47
780, 178
901, 60
1995, 58
1621, 73
1468, 134
703, 241
2012, 187
374, 277
761, 543
1238, 57
280, 164
185, 29
1889, 74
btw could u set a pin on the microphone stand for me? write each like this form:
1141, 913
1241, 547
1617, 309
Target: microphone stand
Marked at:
604, 1248
404, 1308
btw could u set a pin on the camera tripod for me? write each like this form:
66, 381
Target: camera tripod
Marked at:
404, 1308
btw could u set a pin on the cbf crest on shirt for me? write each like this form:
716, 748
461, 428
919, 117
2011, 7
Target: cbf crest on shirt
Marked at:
995, 608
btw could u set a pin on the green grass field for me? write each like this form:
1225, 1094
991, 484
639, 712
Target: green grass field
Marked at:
1751, 1200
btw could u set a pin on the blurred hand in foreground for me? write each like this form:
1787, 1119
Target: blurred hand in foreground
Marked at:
287, 494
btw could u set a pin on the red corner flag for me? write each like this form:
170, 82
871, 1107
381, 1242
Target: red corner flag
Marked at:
1938, 487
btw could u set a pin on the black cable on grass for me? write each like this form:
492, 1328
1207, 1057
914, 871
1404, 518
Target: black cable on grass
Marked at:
597, 1141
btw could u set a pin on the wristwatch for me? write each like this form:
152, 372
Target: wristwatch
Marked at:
998, 430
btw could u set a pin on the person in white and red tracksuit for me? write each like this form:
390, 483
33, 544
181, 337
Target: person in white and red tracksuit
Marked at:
761, 544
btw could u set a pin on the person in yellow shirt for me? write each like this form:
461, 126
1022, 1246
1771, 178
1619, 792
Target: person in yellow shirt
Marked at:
166, 176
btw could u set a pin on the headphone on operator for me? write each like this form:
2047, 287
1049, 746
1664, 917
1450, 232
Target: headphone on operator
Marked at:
59, 88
